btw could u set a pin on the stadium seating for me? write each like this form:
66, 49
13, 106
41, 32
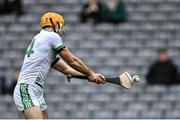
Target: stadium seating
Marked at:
108, 49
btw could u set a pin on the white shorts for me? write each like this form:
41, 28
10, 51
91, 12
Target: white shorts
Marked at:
27, 96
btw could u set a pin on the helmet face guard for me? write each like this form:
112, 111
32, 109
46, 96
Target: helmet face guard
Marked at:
60, 27
60, 30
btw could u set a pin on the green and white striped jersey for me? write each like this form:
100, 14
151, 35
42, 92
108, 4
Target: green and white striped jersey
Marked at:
39, 57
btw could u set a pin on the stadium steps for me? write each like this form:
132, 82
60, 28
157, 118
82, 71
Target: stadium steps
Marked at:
107, 49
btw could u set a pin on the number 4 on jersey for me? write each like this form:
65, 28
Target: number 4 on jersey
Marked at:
30, 48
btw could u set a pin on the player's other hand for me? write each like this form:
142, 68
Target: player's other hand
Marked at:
97, 78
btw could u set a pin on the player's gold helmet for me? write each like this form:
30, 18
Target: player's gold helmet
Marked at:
51, 19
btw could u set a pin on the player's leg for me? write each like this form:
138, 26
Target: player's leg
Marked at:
45, 114
25, 97
43, 106
33, 113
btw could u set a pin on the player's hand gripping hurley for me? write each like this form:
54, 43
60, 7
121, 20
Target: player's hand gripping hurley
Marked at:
125, 80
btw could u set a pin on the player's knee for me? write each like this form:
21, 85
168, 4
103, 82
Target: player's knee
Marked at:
33, 113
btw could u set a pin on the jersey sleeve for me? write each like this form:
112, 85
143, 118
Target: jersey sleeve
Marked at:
57, 43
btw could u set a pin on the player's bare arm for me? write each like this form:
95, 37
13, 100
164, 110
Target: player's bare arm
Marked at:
125, 80
62, 67
78, 65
